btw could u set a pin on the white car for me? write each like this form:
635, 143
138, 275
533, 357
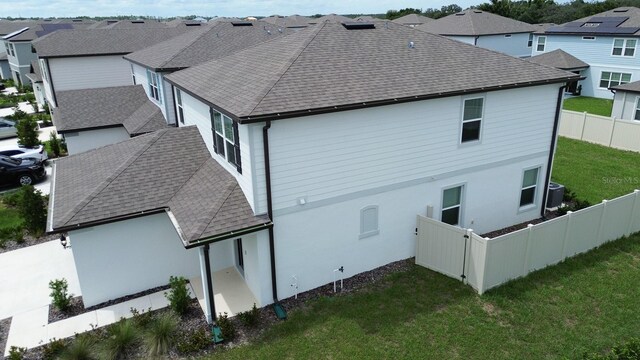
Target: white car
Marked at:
7, 129
20, 152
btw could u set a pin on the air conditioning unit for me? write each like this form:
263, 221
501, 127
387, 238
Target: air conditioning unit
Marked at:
555, 195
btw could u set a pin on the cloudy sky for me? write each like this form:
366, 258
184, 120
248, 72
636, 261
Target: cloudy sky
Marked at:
168, 8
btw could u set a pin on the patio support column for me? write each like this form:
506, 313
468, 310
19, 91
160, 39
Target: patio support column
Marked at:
207, 283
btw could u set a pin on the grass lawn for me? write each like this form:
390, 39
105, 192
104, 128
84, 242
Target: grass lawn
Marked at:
589, 303
9, 219
595, 172
591, 105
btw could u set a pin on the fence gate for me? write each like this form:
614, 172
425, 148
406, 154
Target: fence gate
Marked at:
442, 247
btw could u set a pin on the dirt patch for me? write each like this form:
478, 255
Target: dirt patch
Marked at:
28, 241
489, 309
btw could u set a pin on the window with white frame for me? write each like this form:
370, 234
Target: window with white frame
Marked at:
179, 109
542, 40
6, 45
624, 47
225, 138
154, 86
452, 205
609, 79
637, 112
12, 49
530, 42
471, 119
369, 221
45, 70
529, 186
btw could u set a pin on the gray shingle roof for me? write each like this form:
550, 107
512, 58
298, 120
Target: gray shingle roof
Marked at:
475, 22
128, 24
86, 42
332, 17
294, 21
632, 13
127, 106
632, 86
204, 44
412, 19
559, 60
35, 75
168, 169
327, 66
7, 26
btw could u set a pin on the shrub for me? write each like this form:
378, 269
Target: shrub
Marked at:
60, 296
16, 353
226, 326
54, 147
17, 115
160, 335
27, 129
251, 317
194, 341
53, 349
14, 232
178, 294
627, 351
122, 338
142, 318
81, 348
12, 198
33, 210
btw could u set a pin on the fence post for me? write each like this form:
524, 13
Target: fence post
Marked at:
525, 268
584, 125
634, 210
567, 231
481, 287
601, 224
467, 255
613, 131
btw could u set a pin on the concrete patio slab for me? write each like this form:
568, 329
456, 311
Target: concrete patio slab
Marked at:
230, 293
71, 326
28, 329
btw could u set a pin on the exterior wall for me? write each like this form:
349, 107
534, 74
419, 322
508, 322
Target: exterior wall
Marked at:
89, 72
5, 70
81, 141
46, 82
465, 39
139, 73
21, 62
596, 53
514, 45
257, 266
38, 91
624, 105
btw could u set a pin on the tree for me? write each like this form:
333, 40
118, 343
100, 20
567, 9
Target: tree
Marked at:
394, 14
27, 132
54, 144
33, 210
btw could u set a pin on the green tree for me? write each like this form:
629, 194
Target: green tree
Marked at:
54, 144
27, 132
33, 210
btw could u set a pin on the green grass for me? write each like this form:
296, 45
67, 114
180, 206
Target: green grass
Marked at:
587, 304
591, 105
595, 172
10, 218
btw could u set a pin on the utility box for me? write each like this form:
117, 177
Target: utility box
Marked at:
555, 195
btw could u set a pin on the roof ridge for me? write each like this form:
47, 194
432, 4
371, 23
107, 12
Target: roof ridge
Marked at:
112, 178
312, 36
205, 31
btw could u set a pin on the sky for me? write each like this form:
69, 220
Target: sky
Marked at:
229, 8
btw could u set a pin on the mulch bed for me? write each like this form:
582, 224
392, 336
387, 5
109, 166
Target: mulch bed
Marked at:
28, 241
4, 334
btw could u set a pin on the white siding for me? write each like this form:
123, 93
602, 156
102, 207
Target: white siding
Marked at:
140, 75
89, 72
257, 266
514, 45
81, 141
624, 105
46, 83
465, 39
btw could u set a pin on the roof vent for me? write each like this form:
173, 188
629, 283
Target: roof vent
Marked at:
112, 21
192, 24
76, 20
241, 23
459, 14
280, 30
621, 10
477, 11
412, 45
137, 22
353, 25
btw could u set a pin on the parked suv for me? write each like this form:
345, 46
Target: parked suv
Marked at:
20, 152
20, 171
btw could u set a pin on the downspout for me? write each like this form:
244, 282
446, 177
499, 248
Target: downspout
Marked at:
475, 40
207, 266
175, 105
267, 175
552, 149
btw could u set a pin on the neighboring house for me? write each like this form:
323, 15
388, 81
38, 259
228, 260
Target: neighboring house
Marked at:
563, 61
626, 102
5, 70
35, 76
412, 20
150, 65
7, 27
311, 150
486, 30
92, 58
607, 41
91, 118
128, 24
292, 21
332, 17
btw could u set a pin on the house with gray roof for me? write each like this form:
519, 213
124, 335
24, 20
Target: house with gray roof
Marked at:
35, 77
607, 41
626, 101
563, 61
412, 20
291, 21
150, 65
7, 27
91, 118
92, 58
486, 30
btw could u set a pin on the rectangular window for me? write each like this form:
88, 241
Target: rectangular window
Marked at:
154, 87
12, 48
471, 119
530, 42
541, 42
529, 185
225, 138
179, 106
369, 221
637, 112
624, 47
609, 79
452, 205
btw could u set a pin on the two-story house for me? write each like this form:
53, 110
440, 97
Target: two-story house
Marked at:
310, 153
7, 27
607, 41
486, 30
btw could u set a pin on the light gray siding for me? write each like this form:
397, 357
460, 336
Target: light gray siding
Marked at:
625, 104
510, 44
81, 141
89, 72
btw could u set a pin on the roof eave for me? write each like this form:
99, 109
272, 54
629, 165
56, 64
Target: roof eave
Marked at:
99, 127
81, 55
109, 220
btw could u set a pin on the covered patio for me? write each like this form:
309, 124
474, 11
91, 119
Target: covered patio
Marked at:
230, 292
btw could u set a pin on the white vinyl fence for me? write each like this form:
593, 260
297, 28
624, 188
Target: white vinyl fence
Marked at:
485, 263
607, 131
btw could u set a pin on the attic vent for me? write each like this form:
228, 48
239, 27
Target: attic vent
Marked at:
241, 23
137, 22
192, 24
77, 20
352, 25
620, 10
459, 14
112, 21
477, 11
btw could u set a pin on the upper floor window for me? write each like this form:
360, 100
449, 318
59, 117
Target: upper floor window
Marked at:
452, 205
529, 185
154, 86
609, 79
530, 42
637, 112
45, 70
225, 138
6, 45
542, 40
180, 111
471, 119
624, 47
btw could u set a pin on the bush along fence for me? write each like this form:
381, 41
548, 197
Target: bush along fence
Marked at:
484, 263
607, 131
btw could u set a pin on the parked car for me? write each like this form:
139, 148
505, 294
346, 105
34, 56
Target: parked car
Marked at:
20, 152
20, 171
7, 128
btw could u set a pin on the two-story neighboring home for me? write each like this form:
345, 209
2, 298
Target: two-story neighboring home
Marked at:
7, 27
607, 41
92, 58
320, 148
626, 102
486, 30
150, 65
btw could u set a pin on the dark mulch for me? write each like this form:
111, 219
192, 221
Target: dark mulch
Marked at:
28, 241
548, 216
4, 333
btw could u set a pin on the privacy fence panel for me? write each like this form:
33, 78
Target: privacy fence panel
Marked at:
505, 258
620, 134
440, 247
